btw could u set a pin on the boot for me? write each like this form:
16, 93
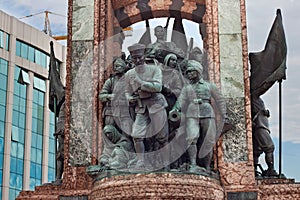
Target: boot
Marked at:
207, 161
140, 150
270, 172
192, 151
59, 172
256, 165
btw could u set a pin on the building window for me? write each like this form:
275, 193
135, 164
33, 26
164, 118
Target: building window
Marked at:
37, 57
17, 136
1, 39
4, 40
18, 48
37, 133
52, 160
32, 54
7, 42
24, 50
3, 85
23, 77
39, 84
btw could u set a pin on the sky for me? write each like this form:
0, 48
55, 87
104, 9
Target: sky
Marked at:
23, 8
260, 17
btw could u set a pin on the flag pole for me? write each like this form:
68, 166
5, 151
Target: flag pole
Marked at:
280, 126
55, 134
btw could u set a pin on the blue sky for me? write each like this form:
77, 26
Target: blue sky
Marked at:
260, 16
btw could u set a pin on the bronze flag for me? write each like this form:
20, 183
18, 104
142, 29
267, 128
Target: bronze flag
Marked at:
269, 65
146, 38
57, 91
178, 34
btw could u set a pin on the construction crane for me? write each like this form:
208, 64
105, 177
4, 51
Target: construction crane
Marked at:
47, 28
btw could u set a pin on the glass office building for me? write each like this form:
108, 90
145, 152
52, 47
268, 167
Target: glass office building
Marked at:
27, 144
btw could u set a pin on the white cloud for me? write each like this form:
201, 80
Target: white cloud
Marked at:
22, 8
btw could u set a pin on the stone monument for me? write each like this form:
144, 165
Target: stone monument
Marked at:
94, 41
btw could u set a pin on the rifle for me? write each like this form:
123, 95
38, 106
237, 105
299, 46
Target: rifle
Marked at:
189, 49
166, 28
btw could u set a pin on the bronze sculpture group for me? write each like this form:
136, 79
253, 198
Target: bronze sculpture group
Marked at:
147, 94
168, 115
161, 113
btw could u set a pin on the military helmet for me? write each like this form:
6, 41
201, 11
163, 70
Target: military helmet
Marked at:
194, 65
120, 62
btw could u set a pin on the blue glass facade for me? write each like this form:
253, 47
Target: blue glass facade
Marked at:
51, 161
3, 86
17, 137
36, 154
32, 54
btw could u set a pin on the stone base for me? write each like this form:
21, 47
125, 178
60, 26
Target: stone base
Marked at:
76, 185
278, 189
165, 186
157, 186
51, 192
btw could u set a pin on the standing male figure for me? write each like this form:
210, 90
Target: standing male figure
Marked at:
115, 111
195, 102
59, 133
262, 141
143, 85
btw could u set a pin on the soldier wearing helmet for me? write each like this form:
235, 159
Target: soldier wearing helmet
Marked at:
194, 103
112, 95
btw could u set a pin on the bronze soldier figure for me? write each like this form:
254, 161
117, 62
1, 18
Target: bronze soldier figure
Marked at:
156, 49
195, 103
262, 141
143, 85
117, 149
116, 111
